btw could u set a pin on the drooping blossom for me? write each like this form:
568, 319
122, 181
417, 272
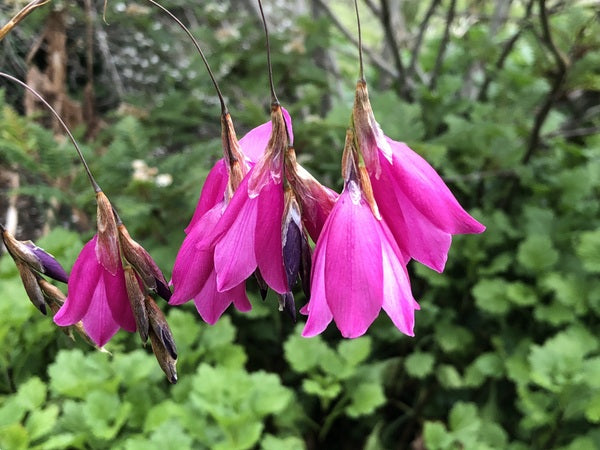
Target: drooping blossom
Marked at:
32, 262
263, 228
358, 268
194, 275
238, 236
413, 199
109, 286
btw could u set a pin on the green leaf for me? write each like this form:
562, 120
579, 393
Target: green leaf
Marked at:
270, 442
355, 351
14, 437
436, 436
74, 374
521, 294
419, 364
105, 414
588, 249
42, 421
305, 354
448, 376
490, 296
453, 338
32, 394
364, 399
592, 410
537, 253
323, 387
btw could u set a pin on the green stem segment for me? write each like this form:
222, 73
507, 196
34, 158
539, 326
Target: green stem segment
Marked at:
62, 123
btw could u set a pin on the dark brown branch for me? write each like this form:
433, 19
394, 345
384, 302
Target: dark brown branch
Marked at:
386, 18
377, 60
576, 132
506, 50
373, 7
557, 84
443, 45
416, 49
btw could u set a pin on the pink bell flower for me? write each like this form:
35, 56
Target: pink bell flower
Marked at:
411, 196
358, 268
194, 275
99, 294
96, 297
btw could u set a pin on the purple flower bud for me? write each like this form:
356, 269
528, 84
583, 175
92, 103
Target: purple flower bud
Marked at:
50, 266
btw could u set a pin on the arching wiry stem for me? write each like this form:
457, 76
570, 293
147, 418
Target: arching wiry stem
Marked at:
62, 123
360, 49
274, 99
204, 60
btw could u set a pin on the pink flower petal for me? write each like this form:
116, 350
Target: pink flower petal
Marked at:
254, 143
234, 251
319, 314
82, 283
353, 266
268, 244
118, 300
425, 189
194, 262
212, 193
98, 322
398, 301
211, 303
414, 233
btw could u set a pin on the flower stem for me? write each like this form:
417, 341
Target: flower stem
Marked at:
62, 123
274, 99
360, 49
204, 60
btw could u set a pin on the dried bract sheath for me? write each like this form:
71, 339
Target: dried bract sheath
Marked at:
161, 339
137, 300
107, 245
30, 282
144, 265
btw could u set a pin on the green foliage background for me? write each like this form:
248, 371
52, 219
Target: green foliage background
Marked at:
506, 353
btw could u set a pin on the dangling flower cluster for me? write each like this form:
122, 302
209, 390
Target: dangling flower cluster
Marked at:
109, 289
33, 263
259, 218
255, 218
394, 207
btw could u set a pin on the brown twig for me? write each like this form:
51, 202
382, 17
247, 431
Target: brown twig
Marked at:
506, 50
377, 60
443, 45
419, 40
403, 88
373, 7
557, 84
20, 16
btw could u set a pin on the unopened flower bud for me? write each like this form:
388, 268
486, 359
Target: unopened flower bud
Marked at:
137, 301
143, 263
35, 257
287, 304
161, 339
291, 238
31, 285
